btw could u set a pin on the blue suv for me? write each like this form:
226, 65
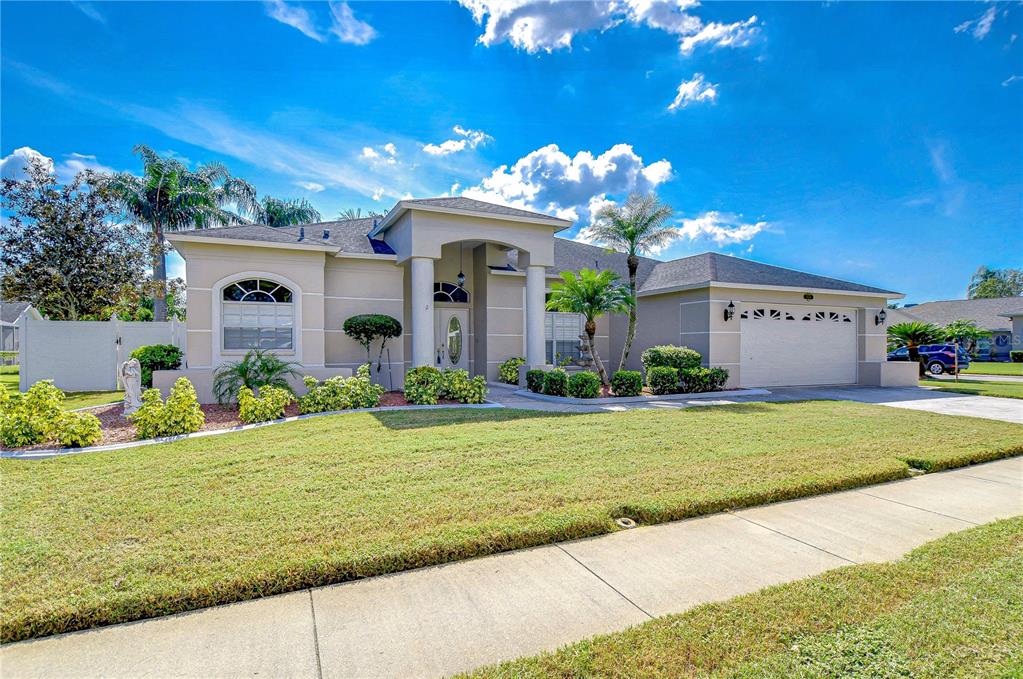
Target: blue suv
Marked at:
937, 358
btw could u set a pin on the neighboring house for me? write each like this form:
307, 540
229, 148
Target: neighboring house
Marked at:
10, 315
1016, 318
291, 289
992, 315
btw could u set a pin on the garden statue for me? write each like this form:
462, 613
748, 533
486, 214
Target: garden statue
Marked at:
130, 374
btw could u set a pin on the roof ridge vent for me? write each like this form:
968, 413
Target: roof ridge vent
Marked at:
326, 233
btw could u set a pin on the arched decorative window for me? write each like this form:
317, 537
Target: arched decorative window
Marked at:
449, 292
257, 314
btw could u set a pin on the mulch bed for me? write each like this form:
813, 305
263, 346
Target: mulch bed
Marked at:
116, 429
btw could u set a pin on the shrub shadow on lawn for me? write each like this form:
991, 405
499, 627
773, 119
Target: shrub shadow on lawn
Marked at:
422, 419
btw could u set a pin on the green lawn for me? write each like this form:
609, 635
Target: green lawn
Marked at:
75, 399
952, 608
992, 368
101, 538
977, 388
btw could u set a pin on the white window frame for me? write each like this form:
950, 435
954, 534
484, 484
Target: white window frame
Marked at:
219, 352
551, 335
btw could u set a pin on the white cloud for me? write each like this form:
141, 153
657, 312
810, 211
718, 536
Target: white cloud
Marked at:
547, 25
694, 91
368, 152
74, 163
549, 180
981, 25
390, 149
347, 28
294, 16
89, 10
469, 138
13, 166
723, 229
312, 187
1011, 79
378, 194
387, 154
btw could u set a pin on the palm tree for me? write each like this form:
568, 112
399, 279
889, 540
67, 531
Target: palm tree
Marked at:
637, 227
965, 332
170, 197
912, 334
277, 212
350, 213
593, 295
258, 368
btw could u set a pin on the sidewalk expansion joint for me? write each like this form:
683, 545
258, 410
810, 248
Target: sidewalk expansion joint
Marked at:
981, 478
613, 588
795, 539
316, 636
922, 509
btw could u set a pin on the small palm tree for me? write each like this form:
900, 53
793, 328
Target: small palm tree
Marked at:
593, 295
350, 213
965, 332
637, 227
170, 197
258, 368
912, 335
277, 212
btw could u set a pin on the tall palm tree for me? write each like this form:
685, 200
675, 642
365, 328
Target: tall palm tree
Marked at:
281, 212
912, 334
170, 197
593, 295
637, 228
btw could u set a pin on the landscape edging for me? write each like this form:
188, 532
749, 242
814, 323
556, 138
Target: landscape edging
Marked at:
525, 393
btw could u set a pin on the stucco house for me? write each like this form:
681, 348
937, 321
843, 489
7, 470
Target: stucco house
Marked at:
469, 279
1000, 316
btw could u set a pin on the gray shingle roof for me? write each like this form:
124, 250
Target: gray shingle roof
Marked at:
473, 205
572, 256
9, 311
349, 235
986, 313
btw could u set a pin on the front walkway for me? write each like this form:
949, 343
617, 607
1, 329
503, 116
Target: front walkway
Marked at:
913, 398
445, 619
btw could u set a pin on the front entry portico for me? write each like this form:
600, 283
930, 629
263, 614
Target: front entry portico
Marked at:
452, 338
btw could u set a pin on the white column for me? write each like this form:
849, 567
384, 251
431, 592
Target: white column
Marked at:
422, 311
536, 282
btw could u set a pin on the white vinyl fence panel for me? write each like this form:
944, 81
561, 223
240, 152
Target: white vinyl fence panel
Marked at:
83, 355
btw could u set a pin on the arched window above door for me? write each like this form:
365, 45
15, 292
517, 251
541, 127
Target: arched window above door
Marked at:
449, 292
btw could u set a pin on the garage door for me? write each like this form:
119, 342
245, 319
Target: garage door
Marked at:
797, 345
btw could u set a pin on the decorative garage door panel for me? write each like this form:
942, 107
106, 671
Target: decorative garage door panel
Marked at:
797, 345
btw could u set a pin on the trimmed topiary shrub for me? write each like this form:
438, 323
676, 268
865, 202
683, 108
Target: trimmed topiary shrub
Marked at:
78, 430
1016, 356
509, 370
627, 383
457, 385
423, 385
269, 405
555, 382
662, 380
695, 380
584, 385
181, 413
156, 357
534, 381
667, 355
366, 328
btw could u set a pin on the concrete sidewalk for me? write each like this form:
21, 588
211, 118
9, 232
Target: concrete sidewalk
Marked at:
437, 621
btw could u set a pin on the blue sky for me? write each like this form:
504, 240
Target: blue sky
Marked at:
881, 143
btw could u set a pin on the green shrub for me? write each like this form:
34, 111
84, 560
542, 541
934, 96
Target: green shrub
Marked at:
33, 417
534, 380
365, 328
156, 357
695, 380
78, 430
555, 382
181, 413
423, 385
509, 370
341, 393
258, 368
667, 355
269, 405
584, 385
627, 383
662, 380
1016, 356
456, 384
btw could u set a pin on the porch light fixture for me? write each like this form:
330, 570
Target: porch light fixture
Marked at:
730, 311
461, 275
880, 317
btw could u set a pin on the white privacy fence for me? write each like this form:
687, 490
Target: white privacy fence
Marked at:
83, 355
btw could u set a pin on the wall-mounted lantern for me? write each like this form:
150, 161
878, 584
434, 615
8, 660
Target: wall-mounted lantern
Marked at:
730, 311
880, 317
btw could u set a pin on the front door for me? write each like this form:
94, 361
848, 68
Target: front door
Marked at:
452, 329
